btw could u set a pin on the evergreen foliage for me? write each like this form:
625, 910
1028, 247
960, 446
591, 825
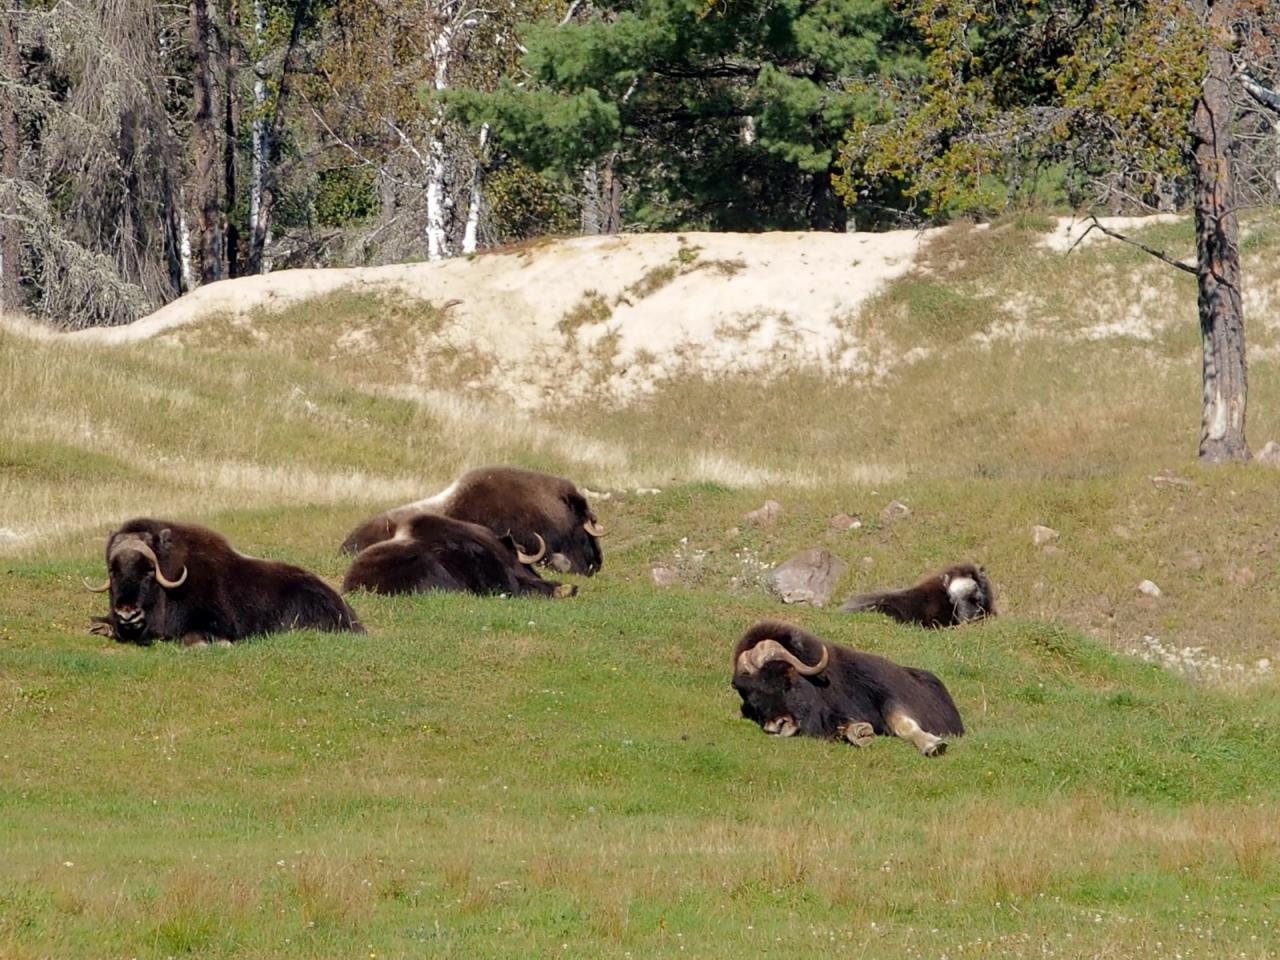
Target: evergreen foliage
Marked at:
717, 116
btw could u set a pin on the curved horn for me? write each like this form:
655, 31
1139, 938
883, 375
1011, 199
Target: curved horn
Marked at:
532, 558
592, 526
89, 586
150, 554
753, 660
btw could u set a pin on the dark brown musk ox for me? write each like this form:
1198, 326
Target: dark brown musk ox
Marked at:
433, 552
181, 581
791, 682
507, 500
952, 596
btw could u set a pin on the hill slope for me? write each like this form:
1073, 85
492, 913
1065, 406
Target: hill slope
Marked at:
489, 777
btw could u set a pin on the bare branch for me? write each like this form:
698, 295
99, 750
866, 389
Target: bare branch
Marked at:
1158, 254
1268, 98
568, 14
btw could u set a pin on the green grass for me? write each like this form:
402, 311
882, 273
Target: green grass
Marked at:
499, 778
493, 778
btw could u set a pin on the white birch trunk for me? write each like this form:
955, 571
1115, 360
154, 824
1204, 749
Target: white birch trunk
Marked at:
258, 136
437, 240
189, 281
473, 208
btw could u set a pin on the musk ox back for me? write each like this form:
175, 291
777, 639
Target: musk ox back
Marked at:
791, 682
182, 581
432, 552
953, 596
523, 503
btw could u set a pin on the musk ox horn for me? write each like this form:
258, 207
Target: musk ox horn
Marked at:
532, 558
146, 551
766, 651
593, 527
89, 586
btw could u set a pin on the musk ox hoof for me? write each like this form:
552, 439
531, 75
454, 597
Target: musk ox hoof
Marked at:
936, 749
858, 732
783, 726
565, 590
100, 627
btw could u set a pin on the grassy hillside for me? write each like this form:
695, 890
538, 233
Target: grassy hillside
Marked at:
487, 777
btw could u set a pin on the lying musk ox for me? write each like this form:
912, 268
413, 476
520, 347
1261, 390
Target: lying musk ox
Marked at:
523, 503
791, 682
432, 552
180, 581
955, 595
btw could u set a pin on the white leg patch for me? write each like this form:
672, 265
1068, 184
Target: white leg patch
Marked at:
782, 726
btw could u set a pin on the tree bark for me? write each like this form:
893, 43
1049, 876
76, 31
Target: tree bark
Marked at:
10, 146
204, 138
1222, 419
469, 234
258, 239
271, 135
230, 129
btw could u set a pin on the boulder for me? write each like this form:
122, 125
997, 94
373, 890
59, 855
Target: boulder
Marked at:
764, 514
808, 577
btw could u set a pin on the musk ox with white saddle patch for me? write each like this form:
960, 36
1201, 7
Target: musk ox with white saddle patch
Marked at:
508, 500
956, 595
432, 552
791, 682
182, 581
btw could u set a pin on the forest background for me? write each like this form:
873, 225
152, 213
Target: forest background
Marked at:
147, 147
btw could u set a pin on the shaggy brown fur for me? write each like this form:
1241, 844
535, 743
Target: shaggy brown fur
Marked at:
857, 696
431, 552
506, 500
953, 596
224, 595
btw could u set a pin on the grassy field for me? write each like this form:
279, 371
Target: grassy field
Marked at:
510, 778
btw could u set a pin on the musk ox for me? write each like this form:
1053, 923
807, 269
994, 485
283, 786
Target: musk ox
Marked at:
507, 500
433, 552
791, 683
181, 581
955, 595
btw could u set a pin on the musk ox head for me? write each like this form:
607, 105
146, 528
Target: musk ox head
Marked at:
137, 583
970, 591
774, 684
581, 549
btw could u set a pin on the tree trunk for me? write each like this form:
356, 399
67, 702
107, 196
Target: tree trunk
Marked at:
258, 238
1222, 418
611, 190
469, 238
10, 145
437, 236
271, 135
230, 129
591, 216
204, 138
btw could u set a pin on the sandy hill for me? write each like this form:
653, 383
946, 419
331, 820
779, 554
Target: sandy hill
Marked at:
613, 316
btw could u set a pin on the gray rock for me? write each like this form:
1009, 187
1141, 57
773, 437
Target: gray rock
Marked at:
1149, 588
1040, 535
664, 576
842, 522
764, 514
808, 577
894, 510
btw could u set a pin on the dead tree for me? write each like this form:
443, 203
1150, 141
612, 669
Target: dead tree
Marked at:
10, 146
1222, 417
